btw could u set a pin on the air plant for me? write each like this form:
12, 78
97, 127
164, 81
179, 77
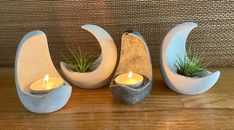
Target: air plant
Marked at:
79, 61
190, 66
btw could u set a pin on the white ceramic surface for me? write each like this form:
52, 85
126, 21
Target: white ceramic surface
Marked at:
174, 46
32, 62
101, 76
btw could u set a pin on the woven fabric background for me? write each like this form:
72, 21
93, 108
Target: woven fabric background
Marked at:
61, 21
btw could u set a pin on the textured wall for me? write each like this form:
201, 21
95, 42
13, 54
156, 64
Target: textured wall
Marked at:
61, 22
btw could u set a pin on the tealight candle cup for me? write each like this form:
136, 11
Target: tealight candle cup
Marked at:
130, 79
43, 86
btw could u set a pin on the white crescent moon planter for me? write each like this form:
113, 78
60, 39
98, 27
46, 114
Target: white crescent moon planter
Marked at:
134, 57
173, 46
32, 62
101, 76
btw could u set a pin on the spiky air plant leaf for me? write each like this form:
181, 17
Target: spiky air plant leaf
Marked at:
79, 61
190, 66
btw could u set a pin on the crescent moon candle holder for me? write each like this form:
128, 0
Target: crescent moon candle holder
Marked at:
134, 57
174, 46
104, 65
32, 62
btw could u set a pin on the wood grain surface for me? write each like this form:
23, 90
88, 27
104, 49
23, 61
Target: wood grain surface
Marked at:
96, 109
61, 21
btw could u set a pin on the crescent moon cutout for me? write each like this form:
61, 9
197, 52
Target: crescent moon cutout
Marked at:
102, 74
173, 46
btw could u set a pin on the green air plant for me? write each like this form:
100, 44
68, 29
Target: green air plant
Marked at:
79, 61
190, 66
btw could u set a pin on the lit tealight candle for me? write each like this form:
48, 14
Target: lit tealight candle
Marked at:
129, 79
45, 85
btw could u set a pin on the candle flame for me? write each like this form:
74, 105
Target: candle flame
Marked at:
130, 75
46, 78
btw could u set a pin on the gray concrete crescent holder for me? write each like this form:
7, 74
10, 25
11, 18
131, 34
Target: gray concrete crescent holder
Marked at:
135, 57
32, 62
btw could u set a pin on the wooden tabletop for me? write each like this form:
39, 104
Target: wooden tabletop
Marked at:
96, 109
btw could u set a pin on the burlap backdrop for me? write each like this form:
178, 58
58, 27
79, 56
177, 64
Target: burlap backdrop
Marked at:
61, 22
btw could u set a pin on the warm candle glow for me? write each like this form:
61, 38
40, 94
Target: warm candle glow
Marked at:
45, 85
129, 79
46, 79
130, 75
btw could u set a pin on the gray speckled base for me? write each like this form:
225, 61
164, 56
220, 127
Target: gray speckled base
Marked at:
134, 57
